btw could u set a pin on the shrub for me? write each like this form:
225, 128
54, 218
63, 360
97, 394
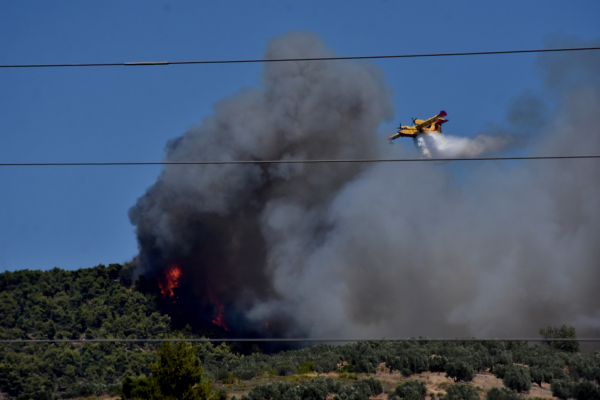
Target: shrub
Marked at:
517, 378
273, 391
558, 373
504, 358
586, 391
410, 362
350, 393
537, 375
135, 388
561, 389
375, 385
326, 364
228, 379
499, 371
39, 395
417, 361
247, 372
397, 364
460, 371
345, 368
360, 390
503, 394
461, 392
90, 389
285, 369
410, 390
315, 389
306, 368
479, 360
583, 369
346, 375
437, 364
364, 366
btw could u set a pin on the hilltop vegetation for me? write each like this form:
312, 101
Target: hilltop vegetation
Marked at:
103, 302
87, 303
517, 364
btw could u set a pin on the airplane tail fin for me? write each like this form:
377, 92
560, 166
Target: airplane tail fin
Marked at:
442, 113
438, 124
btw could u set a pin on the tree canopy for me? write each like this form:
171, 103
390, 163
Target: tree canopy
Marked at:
95, 302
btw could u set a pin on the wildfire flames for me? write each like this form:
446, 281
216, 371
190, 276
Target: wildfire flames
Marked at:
219, 311
170, 281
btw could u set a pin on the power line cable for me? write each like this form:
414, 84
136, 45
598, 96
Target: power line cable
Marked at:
150, 63
312, 340
323, 161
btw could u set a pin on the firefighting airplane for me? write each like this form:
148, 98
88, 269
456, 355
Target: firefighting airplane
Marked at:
433, 124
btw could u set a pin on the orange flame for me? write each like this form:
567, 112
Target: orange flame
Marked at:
171, 280
219, 310
219, 321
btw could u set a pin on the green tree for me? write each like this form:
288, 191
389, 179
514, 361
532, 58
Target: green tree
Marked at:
461, 392
132, 388
537, 375
586, 391
9, 310
564, 332
177, 374
561, 389
460, 371
410, 390
503, 394
517, 378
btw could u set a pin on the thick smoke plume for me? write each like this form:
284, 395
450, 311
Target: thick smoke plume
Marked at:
352, 250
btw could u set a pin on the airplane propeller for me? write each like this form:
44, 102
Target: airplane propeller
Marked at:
399, 126
414, 121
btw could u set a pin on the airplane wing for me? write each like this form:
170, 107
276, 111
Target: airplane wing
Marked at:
430, 121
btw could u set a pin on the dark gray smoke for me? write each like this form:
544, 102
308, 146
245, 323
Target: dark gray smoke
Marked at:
228, 226
383, 250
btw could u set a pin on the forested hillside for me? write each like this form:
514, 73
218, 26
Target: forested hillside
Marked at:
87, 303
102, 302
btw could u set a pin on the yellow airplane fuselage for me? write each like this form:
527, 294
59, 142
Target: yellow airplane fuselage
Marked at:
410, 131
433, 124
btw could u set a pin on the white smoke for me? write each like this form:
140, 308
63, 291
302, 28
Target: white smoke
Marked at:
447, 146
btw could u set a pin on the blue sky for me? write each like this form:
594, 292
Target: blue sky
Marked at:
74, 217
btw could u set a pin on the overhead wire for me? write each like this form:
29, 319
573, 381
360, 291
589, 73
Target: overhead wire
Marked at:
312, 340
321, 161
260, 60
149, 63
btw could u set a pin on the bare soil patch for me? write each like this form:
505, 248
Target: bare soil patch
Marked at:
436, 383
